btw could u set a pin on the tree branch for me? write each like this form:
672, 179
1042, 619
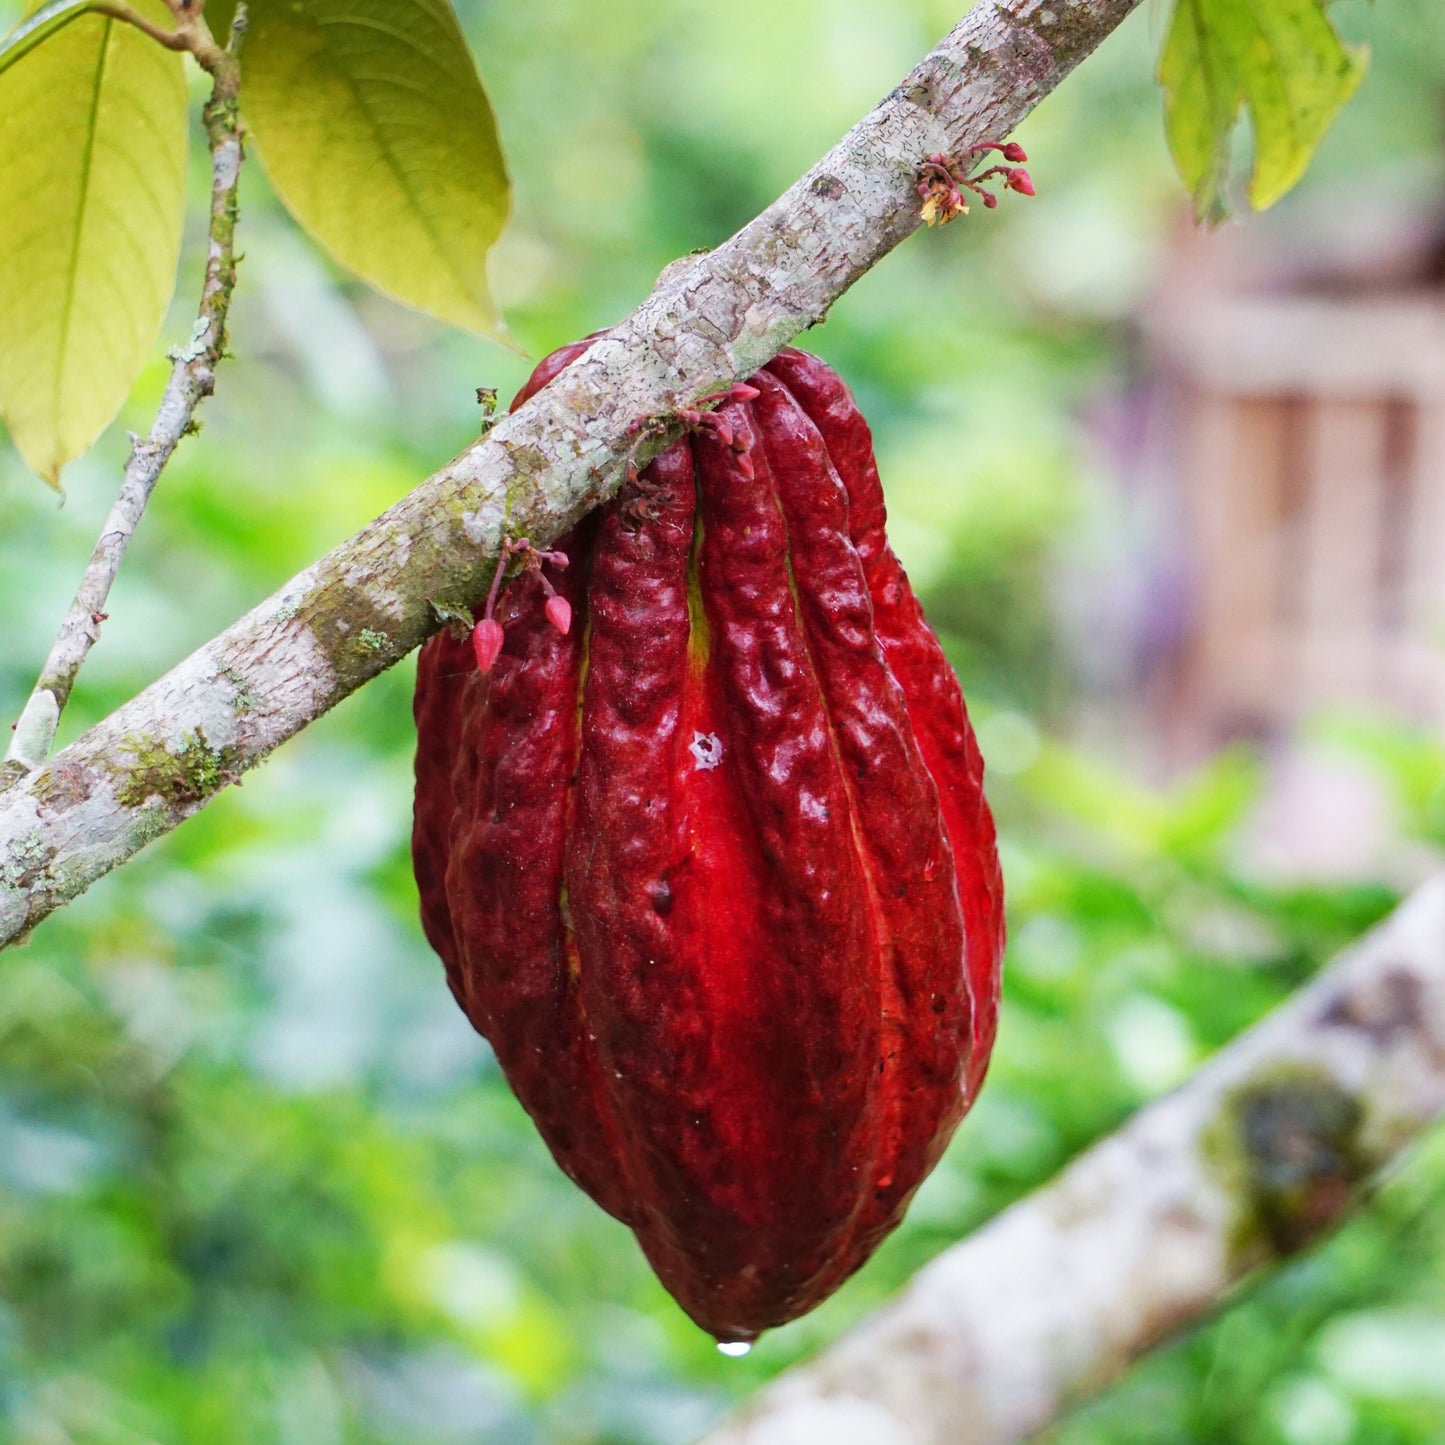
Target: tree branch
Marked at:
365, 605
1255, 1156
193, 378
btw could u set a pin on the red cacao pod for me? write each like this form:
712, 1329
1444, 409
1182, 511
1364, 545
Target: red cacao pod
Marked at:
712, 870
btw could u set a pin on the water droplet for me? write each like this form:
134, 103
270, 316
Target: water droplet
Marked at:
736, 1349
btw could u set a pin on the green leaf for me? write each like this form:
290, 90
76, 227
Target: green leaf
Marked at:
93, 136
40, 26
375, 130
1281, 60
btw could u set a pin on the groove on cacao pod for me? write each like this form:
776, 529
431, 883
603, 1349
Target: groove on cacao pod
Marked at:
714, 872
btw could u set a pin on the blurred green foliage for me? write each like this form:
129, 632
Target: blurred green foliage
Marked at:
258, 1180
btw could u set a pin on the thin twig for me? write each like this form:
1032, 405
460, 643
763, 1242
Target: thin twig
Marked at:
193, 378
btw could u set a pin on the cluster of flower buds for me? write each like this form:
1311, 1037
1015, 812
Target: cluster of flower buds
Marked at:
487, 635
719, 426
638, 505
942, 180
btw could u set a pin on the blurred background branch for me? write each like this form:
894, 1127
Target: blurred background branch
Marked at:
1248, 1162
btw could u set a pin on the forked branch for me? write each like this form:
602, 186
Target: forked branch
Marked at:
711, 321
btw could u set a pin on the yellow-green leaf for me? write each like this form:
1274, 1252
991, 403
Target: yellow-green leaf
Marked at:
40, 25
1279, 59
375, 130
92, 198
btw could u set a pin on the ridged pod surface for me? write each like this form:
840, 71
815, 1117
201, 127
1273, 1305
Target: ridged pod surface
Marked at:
713, 872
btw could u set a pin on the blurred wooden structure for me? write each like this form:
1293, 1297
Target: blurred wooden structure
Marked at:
1303, 402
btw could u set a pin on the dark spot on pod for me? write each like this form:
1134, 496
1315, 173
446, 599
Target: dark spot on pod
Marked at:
661, 895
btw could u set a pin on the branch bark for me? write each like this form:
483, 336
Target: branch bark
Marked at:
366, 604
1257, 1155
192, 379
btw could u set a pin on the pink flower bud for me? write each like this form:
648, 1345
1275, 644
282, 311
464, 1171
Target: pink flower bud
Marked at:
1013, 151
1019, 181
487, 637
745, 465
741, 391
559, 613
724, 432
990, 200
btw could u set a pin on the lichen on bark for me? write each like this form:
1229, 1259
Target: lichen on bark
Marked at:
186, 775
1285, 1144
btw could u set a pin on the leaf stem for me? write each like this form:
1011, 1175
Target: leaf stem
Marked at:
171, 39
193, 378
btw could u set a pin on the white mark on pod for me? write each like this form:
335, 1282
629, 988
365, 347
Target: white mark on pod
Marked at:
707, 748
